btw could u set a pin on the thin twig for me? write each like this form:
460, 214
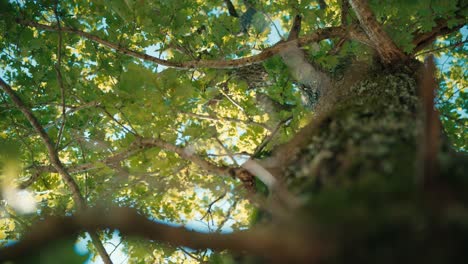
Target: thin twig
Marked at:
269, 137
457, 44
218, 118
226, 150
190, 254
59, 76
117, 121
211, 205
115, 247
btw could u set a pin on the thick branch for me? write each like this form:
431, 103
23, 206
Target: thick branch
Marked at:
53, 156
320, 34
292, 247
55, 161
422, 40
431, 137
384, 45
356, 33
303, 71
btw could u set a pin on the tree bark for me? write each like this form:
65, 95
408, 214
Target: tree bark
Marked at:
355, 169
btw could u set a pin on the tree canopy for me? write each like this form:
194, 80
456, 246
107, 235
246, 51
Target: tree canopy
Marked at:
156, 105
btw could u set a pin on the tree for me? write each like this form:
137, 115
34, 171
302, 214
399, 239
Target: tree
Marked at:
323, 146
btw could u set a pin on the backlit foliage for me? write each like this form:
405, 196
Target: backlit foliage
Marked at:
106, 100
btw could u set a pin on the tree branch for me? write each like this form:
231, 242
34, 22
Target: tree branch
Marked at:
186, 154
454, 45
53, 156
320, 34
292, 247
356, 33
269, 137
344, 11
59, 76
55, 161
240, 173
231, 8
230, 119
303, 71
422, 40
295, 28
431, 137
322, 4
384, 45
111, 161
137, 146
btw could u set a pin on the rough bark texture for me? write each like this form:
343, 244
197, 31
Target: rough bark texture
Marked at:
355, 170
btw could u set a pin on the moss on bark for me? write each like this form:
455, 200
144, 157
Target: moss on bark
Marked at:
357, 176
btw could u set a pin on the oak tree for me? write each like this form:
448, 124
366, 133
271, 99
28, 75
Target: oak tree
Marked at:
234, 131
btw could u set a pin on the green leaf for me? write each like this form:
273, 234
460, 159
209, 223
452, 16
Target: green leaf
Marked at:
56, 253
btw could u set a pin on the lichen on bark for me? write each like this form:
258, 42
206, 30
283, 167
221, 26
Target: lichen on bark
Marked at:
356, 177
373, 119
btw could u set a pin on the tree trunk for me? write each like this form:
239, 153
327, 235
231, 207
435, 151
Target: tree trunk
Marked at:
356, 170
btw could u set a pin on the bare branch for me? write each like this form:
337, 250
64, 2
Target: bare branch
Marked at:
226, 150
384, 45
209, 210
293, 246
191, 255
55, 161
231, 209
320, 34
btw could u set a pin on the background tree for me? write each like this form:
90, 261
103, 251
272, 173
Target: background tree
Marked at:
132, 114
